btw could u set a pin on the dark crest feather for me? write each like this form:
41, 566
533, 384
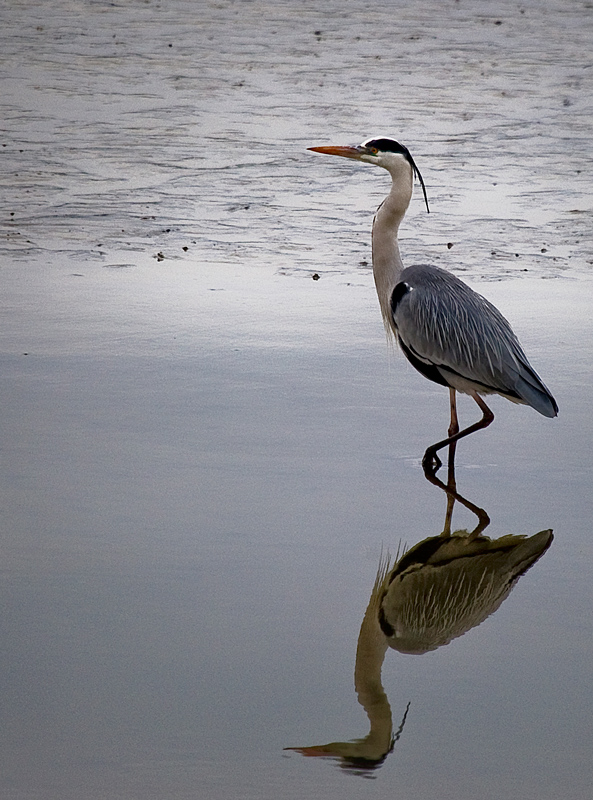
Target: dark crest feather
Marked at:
385, 145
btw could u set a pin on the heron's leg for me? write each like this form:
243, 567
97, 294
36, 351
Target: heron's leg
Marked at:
431, 462
451, 485
454, 426
451, 489
452, 495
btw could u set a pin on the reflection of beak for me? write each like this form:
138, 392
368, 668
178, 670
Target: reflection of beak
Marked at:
347, 151
320, 751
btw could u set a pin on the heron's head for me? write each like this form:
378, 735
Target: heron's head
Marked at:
383, 152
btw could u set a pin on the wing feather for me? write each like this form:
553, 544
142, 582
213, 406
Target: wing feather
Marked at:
448, 326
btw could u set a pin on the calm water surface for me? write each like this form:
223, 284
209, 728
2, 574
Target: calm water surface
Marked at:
206, 452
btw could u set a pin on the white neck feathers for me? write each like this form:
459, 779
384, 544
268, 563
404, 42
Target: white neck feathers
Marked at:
387, 263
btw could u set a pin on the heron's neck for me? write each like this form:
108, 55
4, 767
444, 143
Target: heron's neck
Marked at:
370, 654
387, 263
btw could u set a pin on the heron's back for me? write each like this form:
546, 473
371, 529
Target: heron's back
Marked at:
454, 336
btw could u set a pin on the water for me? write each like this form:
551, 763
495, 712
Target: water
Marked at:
206, 451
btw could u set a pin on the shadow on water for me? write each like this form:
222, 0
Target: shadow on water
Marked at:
436, 591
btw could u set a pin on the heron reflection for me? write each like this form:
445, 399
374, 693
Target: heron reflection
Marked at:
431, 594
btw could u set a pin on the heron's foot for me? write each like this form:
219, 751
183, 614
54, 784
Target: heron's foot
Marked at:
431, 463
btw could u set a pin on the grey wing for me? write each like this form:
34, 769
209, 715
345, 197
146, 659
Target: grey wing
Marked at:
461, 337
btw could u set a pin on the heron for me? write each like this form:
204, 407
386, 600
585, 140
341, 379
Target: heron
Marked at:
447, 331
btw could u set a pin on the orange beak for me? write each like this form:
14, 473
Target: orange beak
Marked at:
347, 151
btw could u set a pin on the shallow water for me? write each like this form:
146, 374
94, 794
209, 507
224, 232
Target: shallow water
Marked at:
206, 451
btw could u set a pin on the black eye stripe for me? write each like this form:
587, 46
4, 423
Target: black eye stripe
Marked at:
391, 146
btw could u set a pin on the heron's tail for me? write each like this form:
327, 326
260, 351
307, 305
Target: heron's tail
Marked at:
534, 392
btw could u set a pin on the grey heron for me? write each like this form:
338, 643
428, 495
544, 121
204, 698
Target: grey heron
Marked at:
448, 332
